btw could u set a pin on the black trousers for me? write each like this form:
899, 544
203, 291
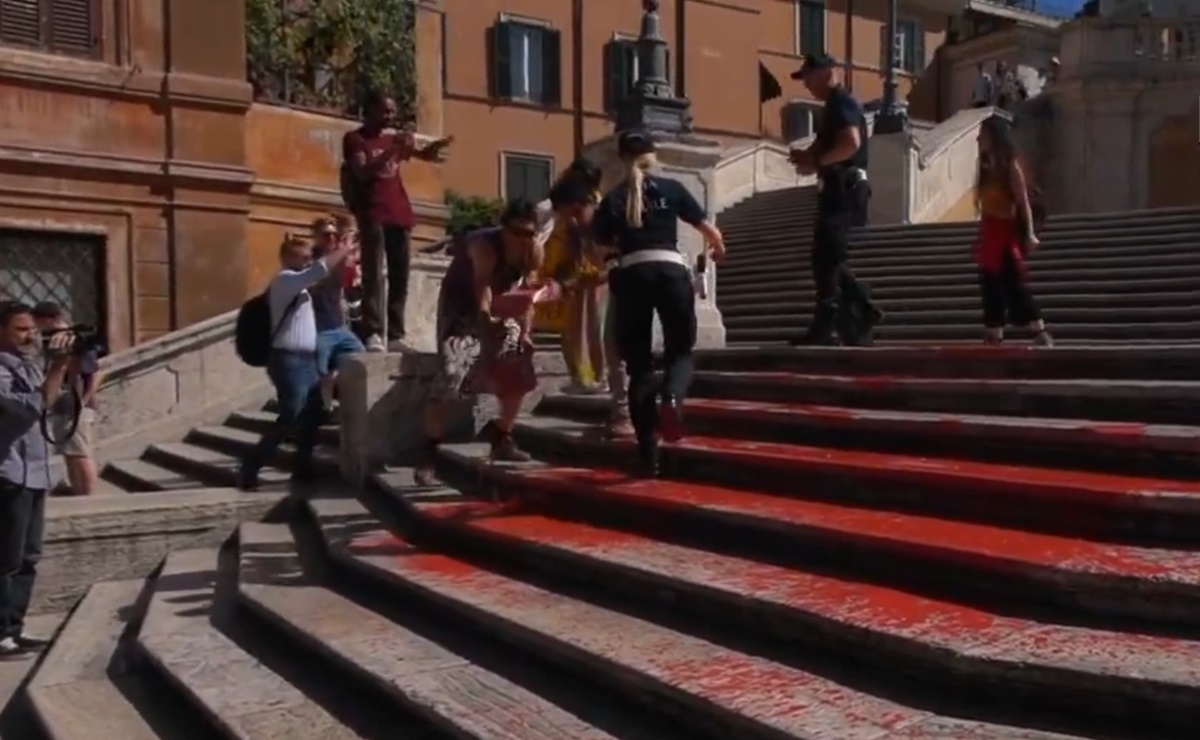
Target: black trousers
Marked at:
641, 291
393, 241
842, 301
22, 527
1007, 298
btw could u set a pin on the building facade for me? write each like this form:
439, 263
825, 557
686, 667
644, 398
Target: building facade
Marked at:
527, 83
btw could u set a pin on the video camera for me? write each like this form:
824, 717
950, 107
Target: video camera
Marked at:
86, 339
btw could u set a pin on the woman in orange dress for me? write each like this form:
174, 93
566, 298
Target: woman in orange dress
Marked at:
1006, 236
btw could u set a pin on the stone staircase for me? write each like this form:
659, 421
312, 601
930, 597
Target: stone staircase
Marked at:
855, 544
1110, 277
208, 457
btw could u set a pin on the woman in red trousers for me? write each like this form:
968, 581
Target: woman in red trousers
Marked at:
1006, 236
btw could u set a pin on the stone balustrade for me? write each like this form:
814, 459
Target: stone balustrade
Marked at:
1134, 50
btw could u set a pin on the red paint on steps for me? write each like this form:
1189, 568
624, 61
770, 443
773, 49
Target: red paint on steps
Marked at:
970, 477
964, 542
705, 675
978, 478
971, 638
850, 418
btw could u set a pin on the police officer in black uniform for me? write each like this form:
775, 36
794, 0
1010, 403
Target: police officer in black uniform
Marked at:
639, 220
839, 159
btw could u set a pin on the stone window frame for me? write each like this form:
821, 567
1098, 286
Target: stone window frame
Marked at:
500, 38
509, 156
813, 110
799, 8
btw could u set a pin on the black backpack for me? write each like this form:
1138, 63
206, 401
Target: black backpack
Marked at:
253, 334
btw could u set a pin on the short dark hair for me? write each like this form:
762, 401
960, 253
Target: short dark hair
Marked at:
570, 192
48, 310
10, 310
585, 170
518, 209
374, 99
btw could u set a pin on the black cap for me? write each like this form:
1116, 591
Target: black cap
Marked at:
814, 63
635, 142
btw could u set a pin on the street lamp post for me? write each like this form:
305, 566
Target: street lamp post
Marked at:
892, 119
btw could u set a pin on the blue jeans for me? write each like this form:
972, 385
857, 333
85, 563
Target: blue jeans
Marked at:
332, 344
297, 379
22, 525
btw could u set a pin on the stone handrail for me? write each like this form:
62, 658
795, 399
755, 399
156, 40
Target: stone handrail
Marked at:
757, 168
942, 164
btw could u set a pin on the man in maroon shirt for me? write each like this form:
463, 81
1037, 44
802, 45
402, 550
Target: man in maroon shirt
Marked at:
373, 153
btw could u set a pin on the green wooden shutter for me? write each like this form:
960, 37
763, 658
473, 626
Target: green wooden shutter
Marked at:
918, 48
501, 58
73, 27
551, 67
21, 22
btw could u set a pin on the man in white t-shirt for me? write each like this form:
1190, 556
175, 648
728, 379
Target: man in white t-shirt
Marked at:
984, 91
293, 367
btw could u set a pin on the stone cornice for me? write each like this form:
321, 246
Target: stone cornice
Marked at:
134, 83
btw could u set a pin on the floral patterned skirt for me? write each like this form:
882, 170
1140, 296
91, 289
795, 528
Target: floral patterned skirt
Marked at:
477, 359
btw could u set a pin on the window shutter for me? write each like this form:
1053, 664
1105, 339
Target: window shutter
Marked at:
20, 22
552, 67
73, 27
501, 57
541, 175
918, 48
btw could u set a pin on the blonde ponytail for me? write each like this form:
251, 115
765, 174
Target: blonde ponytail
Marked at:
635, 200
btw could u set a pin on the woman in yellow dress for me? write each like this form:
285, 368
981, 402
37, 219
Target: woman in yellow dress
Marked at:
576, 317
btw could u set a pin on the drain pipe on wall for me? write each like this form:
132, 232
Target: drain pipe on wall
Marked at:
848, 74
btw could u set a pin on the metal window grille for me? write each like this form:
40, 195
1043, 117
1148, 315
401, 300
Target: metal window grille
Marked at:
66, 268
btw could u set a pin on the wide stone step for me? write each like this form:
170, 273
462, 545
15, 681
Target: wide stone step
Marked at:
1051, 500
660, 667
1113, 277
208, 466
260, 422
785, 224
959, 297
901, 317
946, 645
963, 561
74, 691
235, 443
1115, 243
964, 360
1129, 405
143, 476
1168, 333
1042, 262
1145, 449
240, 696
421, 677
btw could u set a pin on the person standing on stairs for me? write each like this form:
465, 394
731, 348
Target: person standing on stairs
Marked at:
335, 340
1007, 234
576, 315
373, 190
639, 219
839, 159
473, 340
292, 364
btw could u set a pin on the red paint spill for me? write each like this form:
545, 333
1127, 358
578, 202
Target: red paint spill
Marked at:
978, 477
995, 547
848, 604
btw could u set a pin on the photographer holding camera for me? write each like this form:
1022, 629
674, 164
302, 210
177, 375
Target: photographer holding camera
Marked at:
32, 380
70, 421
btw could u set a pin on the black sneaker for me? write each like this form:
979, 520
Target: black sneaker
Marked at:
649, 462
10, 649
244, 481
505, 450
31, 644
670, 420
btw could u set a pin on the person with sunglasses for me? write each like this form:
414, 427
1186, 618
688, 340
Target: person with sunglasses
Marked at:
335, 340
639, 219
482, 349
